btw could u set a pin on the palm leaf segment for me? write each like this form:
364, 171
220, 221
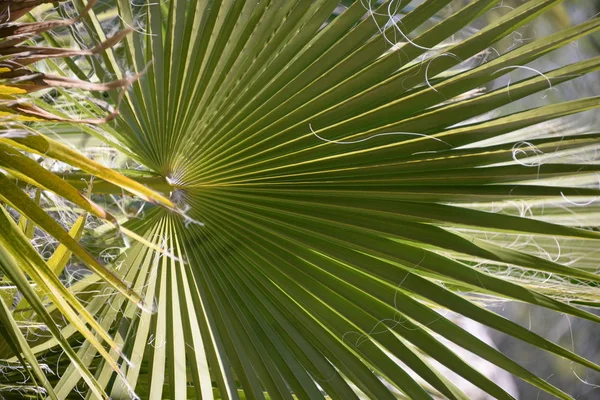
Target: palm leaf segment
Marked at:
326, 165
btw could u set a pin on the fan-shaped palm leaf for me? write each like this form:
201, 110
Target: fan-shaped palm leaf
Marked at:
335, 174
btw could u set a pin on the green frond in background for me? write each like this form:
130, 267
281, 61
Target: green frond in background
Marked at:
329, 180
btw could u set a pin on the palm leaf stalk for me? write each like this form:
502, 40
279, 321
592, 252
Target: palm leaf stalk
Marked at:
338, 178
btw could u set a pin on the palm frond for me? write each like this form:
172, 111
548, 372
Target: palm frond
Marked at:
339, 180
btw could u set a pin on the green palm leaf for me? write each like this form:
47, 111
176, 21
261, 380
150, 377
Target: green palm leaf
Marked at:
330, 181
